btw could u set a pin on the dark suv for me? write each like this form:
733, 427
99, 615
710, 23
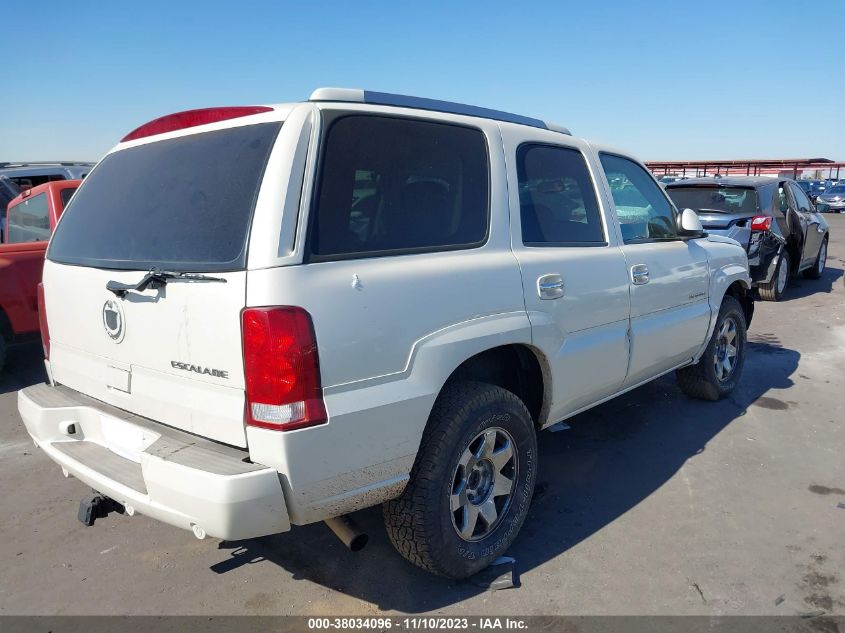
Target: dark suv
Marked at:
772, 218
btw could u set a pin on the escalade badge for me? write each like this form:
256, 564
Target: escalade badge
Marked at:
113, 320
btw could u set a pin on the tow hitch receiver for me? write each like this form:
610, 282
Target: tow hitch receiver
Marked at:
96, 506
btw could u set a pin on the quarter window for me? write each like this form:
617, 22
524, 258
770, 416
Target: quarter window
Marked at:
557, 201
643, 210
29, 221
390, 186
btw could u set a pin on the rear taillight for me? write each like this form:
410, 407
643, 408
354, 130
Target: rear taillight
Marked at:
282, 369
192, 118
42, 322
761, 223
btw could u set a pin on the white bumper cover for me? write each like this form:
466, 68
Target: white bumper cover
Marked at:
166, 474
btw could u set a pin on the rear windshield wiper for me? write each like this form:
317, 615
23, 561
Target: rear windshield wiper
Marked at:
156, 279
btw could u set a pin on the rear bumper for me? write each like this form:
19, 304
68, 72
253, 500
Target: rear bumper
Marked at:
166, 474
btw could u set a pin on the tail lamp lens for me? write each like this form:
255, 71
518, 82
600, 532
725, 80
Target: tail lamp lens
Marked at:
282, 369
761, 223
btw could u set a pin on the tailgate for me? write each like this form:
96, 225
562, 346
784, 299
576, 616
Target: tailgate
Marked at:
172, 354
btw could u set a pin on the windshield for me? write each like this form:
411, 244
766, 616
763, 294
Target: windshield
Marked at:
180, 204
718, 199
836, 189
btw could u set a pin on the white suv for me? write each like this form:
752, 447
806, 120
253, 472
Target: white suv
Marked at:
263, 316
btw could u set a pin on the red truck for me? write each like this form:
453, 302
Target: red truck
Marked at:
30, 219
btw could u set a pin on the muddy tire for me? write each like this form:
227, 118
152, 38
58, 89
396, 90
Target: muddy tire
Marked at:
718, 371
471, 484
818, 266
774, 290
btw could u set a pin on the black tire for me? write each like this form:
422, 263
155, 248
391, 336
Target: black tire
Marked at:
772, 291
2, 351
421, 523
818, 266
701, 380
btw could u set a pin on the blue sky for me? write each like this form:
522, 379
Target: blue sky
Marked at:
673, 80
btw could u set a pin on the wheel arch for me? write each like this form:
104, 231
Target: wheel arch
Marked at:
517, 367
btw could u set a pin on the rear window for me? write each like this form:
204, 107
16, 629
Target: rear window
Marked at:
718, 199
391, 186
66, 195
182, 204
29, 221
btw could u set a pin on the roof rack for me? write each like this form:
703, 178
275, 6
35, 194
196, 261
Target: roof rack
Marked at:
356, 95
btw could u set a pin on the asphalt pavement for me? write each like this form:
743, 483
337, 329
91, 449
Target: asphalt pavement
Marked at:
650, 504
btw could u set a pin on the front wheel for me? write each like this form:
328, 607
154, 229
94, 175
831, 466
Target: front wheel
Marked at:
471, 484
720, 367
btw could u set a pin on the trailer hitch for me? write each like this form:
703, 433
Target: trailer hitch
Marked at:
97, 506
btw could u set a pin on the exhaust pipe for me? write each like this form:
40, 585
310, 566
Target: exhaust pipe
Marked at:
348, 532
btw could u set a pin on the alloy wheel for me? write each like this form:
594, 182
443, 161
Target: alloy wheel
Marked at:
783, 274
822, 258
725, 358
483, 484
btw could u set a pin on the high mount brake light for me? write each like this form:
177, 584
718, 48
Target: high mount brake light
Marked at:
761, 223
192, 118
282, 369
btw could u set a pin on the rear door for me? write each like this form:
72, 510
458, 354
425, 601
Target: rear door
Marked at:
574, 276
668, 276
172, 352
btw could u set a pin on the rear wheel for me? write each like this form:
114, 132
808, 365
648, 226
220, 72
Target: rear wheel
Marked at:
821, 260
2, 352
773, 291
471, 484
718, 371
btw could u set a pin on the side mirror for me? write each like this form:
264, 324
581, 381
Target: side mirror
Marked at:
690, 224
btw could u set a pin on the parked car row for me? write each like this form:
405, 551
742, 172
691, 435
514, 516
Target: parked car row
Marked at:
260, 317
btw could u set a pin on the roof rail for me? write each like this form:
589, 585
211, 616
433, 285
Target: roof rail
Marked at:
45, 163
356, 95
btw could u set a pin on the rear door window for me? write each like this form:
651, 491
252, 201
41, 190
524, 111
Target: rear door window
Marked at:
181, 204
801, 200
29, 221
557, 201
391, 186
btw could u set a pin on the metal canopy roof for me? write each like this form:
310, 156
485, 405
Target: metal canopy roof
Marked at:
750, 167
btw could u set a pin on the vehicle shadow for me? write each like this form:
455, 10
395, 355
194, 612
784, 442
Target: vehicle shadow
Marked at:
800, 287
24, 367
613, 457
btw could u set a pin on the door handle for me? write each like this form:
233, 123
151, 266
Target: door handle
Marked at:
550, 286
639, 274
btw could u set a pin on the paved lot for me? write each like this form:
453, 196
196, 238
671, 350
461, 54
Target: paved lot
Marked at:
651, 504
